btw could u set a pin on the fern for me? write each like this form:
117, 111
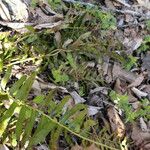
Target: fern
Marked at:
34, 125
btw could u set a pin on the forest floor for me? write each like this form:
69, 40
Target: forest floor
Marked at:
96, 52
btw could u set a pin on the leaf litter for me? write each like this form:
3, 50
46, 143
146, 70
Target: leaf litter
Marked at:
125, 79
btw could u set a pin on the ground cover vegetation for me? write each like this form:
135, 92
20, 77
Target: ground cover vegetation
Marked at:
50, 77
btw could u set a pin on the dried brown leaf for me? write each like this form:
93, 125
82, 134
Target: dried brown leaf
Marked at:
77, 147
137, 81
92, 147
120, 86
118, 72
140, 138
116, 123
139, 93
58, 38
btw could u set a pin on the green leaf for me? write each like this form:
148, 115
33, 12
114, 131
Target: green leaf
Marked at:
39, 99
44, 127
29, 126
1, 65
6, 78
3, 96
54, 138
71, 112
13, 90
6, 117
84, 36
49, 101
59, 76
60, 106
23, 93
78, 120
87, 127
20, 121
71, 61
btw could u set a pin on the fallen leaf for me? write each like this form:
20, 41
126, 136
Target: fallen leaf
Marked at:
129, 18
117, 125
109, 77
120, 86
138, 93
118, 72
137, 81
143, 125
36, 88
146, 63
136, 105
4, 12
92, 110
92, 147
58, 38
77, 98
141, 139
132, 99
133, 43
3, 147
10, 10
101, 89
77, 147
67, 42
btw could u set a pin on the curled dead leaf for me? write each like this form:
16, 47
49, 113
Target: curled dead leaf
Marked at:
116, 123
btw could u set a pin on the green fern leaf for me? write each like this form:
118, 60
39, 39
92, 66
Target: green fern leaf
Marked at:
20, 121
60, 106
71, 112
54, 138
6, 117
22, 94
6, 78
44, 127
77, 122
13, 90
39, 99
71, 61
29, 126
49, 101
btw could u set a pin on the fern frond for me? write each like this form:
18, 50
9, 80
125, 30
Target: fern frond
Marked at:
34, 125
